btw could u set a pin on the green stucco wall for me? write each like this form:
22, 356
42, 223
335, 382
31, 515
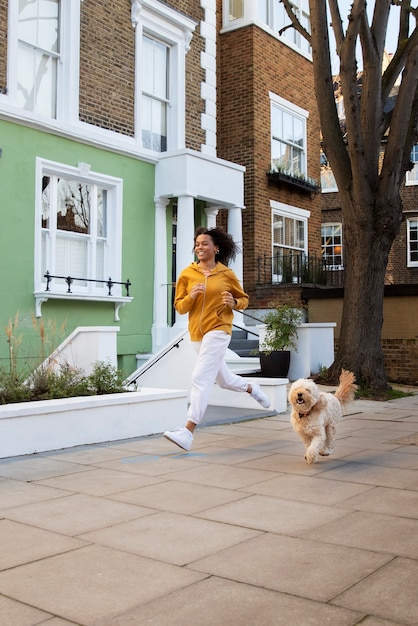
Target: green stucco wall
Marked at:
20, 146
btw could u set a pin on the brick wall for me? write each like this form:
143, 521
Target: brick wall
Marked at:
397, 271
399, 332
107, 65
107, 68
252, 63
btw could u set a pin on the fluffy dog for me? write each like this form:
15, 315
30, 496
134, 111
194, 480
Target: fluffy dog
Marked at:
315, 413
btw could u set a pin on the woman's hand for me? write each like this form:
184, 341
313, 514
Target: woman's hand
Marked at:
196, 289
228, 299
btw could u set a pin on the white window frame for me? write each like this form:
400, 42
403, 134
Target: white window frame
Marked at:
409, 222
295, 213
333, 225
113, 262
412, 176
294, 111
158, 21
67, 94
263, 13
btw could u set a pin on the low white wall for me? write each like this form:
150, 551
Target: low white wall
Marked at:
314, 348
29, 427
86, 345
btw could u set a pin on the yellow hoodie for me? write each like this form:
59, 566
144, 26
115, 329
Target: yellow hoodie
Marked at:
207, 312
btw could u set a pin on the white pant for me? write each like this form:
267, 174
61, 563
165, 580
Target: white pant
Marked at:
210, 366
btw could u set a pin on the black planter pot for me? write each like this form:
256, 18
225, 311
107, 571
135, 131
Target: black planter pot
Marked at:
275, 364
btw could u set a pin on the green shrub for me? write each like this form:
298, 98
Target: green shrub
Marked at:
65, 381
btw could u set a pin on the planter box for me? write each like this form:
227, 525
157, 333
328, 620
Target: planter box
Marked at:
29, 427
279, 178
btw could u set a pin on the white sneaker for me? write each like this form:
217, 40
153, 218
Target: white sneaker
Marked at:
258, 395
182, 437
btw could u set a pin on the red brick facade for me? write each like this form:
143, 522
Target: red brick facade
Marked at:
251, 64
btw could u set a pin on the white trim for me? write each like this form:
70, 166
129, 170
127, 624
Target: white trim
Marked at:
295, 111
410, 263
251, 17
68, 66
290, 106
289, 210
113, 265
158, 21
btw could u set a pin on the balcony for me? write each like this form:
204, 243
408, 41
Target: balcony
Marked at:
296, 268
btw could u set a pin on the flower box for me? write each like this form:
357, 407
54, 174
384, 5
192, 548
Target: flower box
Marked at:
282, 178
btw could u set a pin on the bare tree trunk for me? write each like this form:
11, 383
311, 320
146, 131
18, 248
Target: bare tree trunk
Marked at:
367, 251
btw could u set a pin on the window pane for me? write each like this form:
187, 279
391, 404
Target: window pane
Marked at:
46, 200
287, 127
155, 94
160, 70
413, 240
101, 212
71, 258
38, 23
100, 256
236, 9
278, 229
332, 245
36, 82
73, 206
38, 50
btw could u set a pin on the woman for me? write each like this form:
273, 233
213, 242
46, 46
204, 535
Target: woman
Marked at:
209, 291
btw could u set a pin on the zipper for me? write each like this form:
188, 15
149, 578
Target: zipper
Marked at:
203, 305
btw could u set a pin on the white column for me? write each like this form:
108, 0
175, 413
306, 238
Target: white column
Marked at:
159, 327
184, 242
211, 213
235, 229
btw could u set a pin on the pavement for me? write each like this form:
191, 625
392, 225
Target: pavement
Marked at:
240, 531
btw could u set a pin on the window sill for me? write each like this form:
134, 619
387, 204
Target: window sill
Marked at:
44, 296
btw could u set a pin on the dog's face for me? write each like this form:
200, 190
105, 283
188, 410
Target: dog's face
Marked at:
303, 395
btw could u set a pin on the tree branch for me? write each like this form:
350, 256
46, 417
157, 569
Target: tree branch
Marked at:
333, 141
401, 135
295, 23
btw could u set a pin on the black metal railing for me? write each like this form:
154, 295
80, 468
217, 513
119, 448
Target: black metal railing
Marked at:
296, 268
70, 279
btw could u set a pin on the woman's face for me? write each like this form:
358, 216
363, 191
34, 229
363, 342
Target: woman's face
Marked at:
204, 248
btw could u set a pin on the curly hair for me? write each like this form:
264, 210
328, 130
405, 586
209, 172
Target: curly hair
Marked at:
228, 249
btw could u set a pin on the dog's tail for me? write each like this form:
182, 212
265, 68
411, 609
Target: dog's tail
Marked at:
347, 388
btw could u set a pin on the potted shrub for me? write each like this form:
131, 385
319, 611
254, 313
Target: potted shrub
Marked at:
277, 336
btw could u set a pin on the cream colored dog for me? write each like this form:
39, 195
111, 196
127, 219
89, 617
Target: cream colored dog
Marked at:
315, 413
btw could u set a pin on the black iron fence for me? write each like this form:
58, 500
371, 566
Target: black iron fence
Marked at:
296, 268
70, 279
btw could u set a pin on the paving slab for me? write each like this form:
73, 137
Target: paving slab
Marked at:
390, 592
218, 601
93, 583
300, 567
178, 497
22, 543
239, 531
13, 613
75, 514
168, 537
371, 531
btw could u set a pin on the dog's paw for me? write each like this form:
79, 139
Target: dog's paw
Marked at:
310, 457
324, 452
